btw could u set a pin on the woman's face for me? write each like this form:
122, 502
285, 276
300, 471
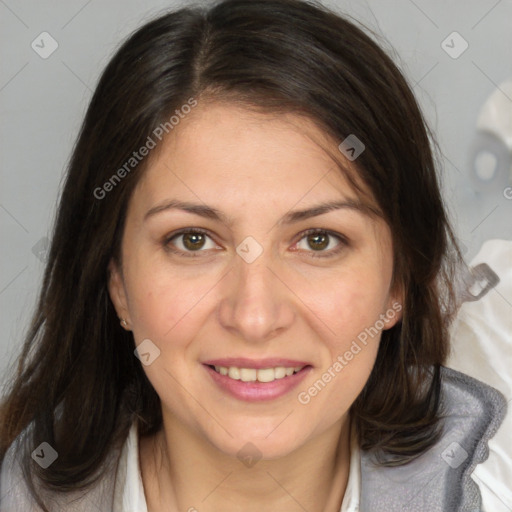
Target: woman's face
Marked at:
253, 291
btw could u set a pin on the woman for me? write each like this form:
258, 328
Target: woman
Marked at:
249, 286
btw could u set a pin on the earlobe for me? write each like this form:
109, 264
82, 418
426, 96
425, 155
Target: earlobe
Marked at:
393, 313
394, 310
117, 292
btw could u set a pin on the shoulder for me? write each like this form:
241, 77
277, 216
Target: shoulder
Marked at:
15, 495
14, 492
481, 343
440, 479
471, 398
473, 412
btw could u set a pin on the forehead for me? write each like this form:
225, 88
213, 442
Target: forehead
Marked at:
225, 152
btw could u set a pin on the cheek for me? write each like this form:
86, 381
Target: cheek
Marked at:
346, 311
347, 303
166, 313
164, 301
353, 315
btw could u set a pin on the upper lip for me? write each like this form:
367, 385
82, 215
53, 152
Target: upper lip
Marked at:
244, 362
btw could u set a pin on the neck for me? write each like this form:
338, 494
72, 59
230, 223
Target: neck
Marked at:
181, 471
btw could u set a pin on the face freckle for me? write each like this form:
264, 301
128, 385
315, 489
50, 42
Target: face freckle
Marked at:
255, 288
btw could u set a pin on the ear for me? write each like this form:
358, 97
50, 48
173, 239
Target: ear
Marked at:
394, 306
117, 291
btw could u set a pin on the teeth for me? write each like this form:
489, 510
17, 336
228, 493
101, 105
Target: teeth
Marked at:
234, 373
261, 375
266, 375
248, 374
279, 372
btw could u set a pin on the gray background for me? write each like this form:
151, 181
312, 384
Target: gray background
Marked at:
42, 102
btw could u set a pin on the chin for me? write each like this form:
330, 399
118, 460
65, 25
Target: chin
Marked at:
267, 443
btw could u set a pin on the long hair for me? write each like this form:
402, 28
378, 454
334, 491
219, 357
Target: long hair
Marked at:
78, 383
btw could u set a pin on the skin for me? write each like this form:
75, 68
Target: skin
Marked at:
255, 168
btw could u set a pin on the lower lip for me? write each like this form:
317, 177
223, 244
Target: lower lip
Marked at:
258, 391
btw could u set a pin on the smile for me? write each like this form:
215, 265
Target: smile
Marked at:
253, 374
256, 384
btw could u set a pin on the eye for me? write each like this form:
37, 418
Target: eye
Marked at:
319, 240
192, 240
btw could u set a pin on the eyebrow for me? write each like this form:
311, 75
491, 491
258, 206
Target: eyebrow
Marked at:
292, 217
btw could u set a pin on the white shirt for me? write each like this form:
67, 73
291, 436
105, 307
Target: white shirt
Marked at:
129, 492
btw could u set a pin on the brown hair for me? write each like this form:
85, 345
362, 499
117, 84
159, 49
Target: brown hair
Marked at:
77, 373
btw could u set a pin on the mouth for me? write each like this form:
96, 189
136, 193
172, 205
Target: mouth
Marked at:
257, 374
256, 380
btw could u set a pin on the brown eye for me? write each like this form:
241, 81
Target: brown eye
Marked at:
318, 240
193, 241
189, 241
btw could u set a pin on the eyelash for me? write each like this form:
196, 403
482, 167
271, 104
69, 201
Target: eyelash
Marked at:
326, 254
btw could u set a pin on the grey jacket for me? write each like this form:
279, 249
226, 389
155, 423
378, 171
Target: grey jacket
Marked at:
437, 481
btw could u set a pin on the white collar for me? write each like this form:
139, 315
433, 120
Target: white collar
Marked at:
129, 491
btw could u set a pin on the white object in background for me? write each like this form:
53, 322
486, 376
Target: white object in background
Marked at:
491, 150
481, 341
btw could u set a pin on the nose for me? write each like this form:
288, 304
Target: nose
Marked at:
256, 303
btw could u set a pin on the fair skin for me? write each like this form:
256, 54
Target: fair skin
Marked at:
286, 303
